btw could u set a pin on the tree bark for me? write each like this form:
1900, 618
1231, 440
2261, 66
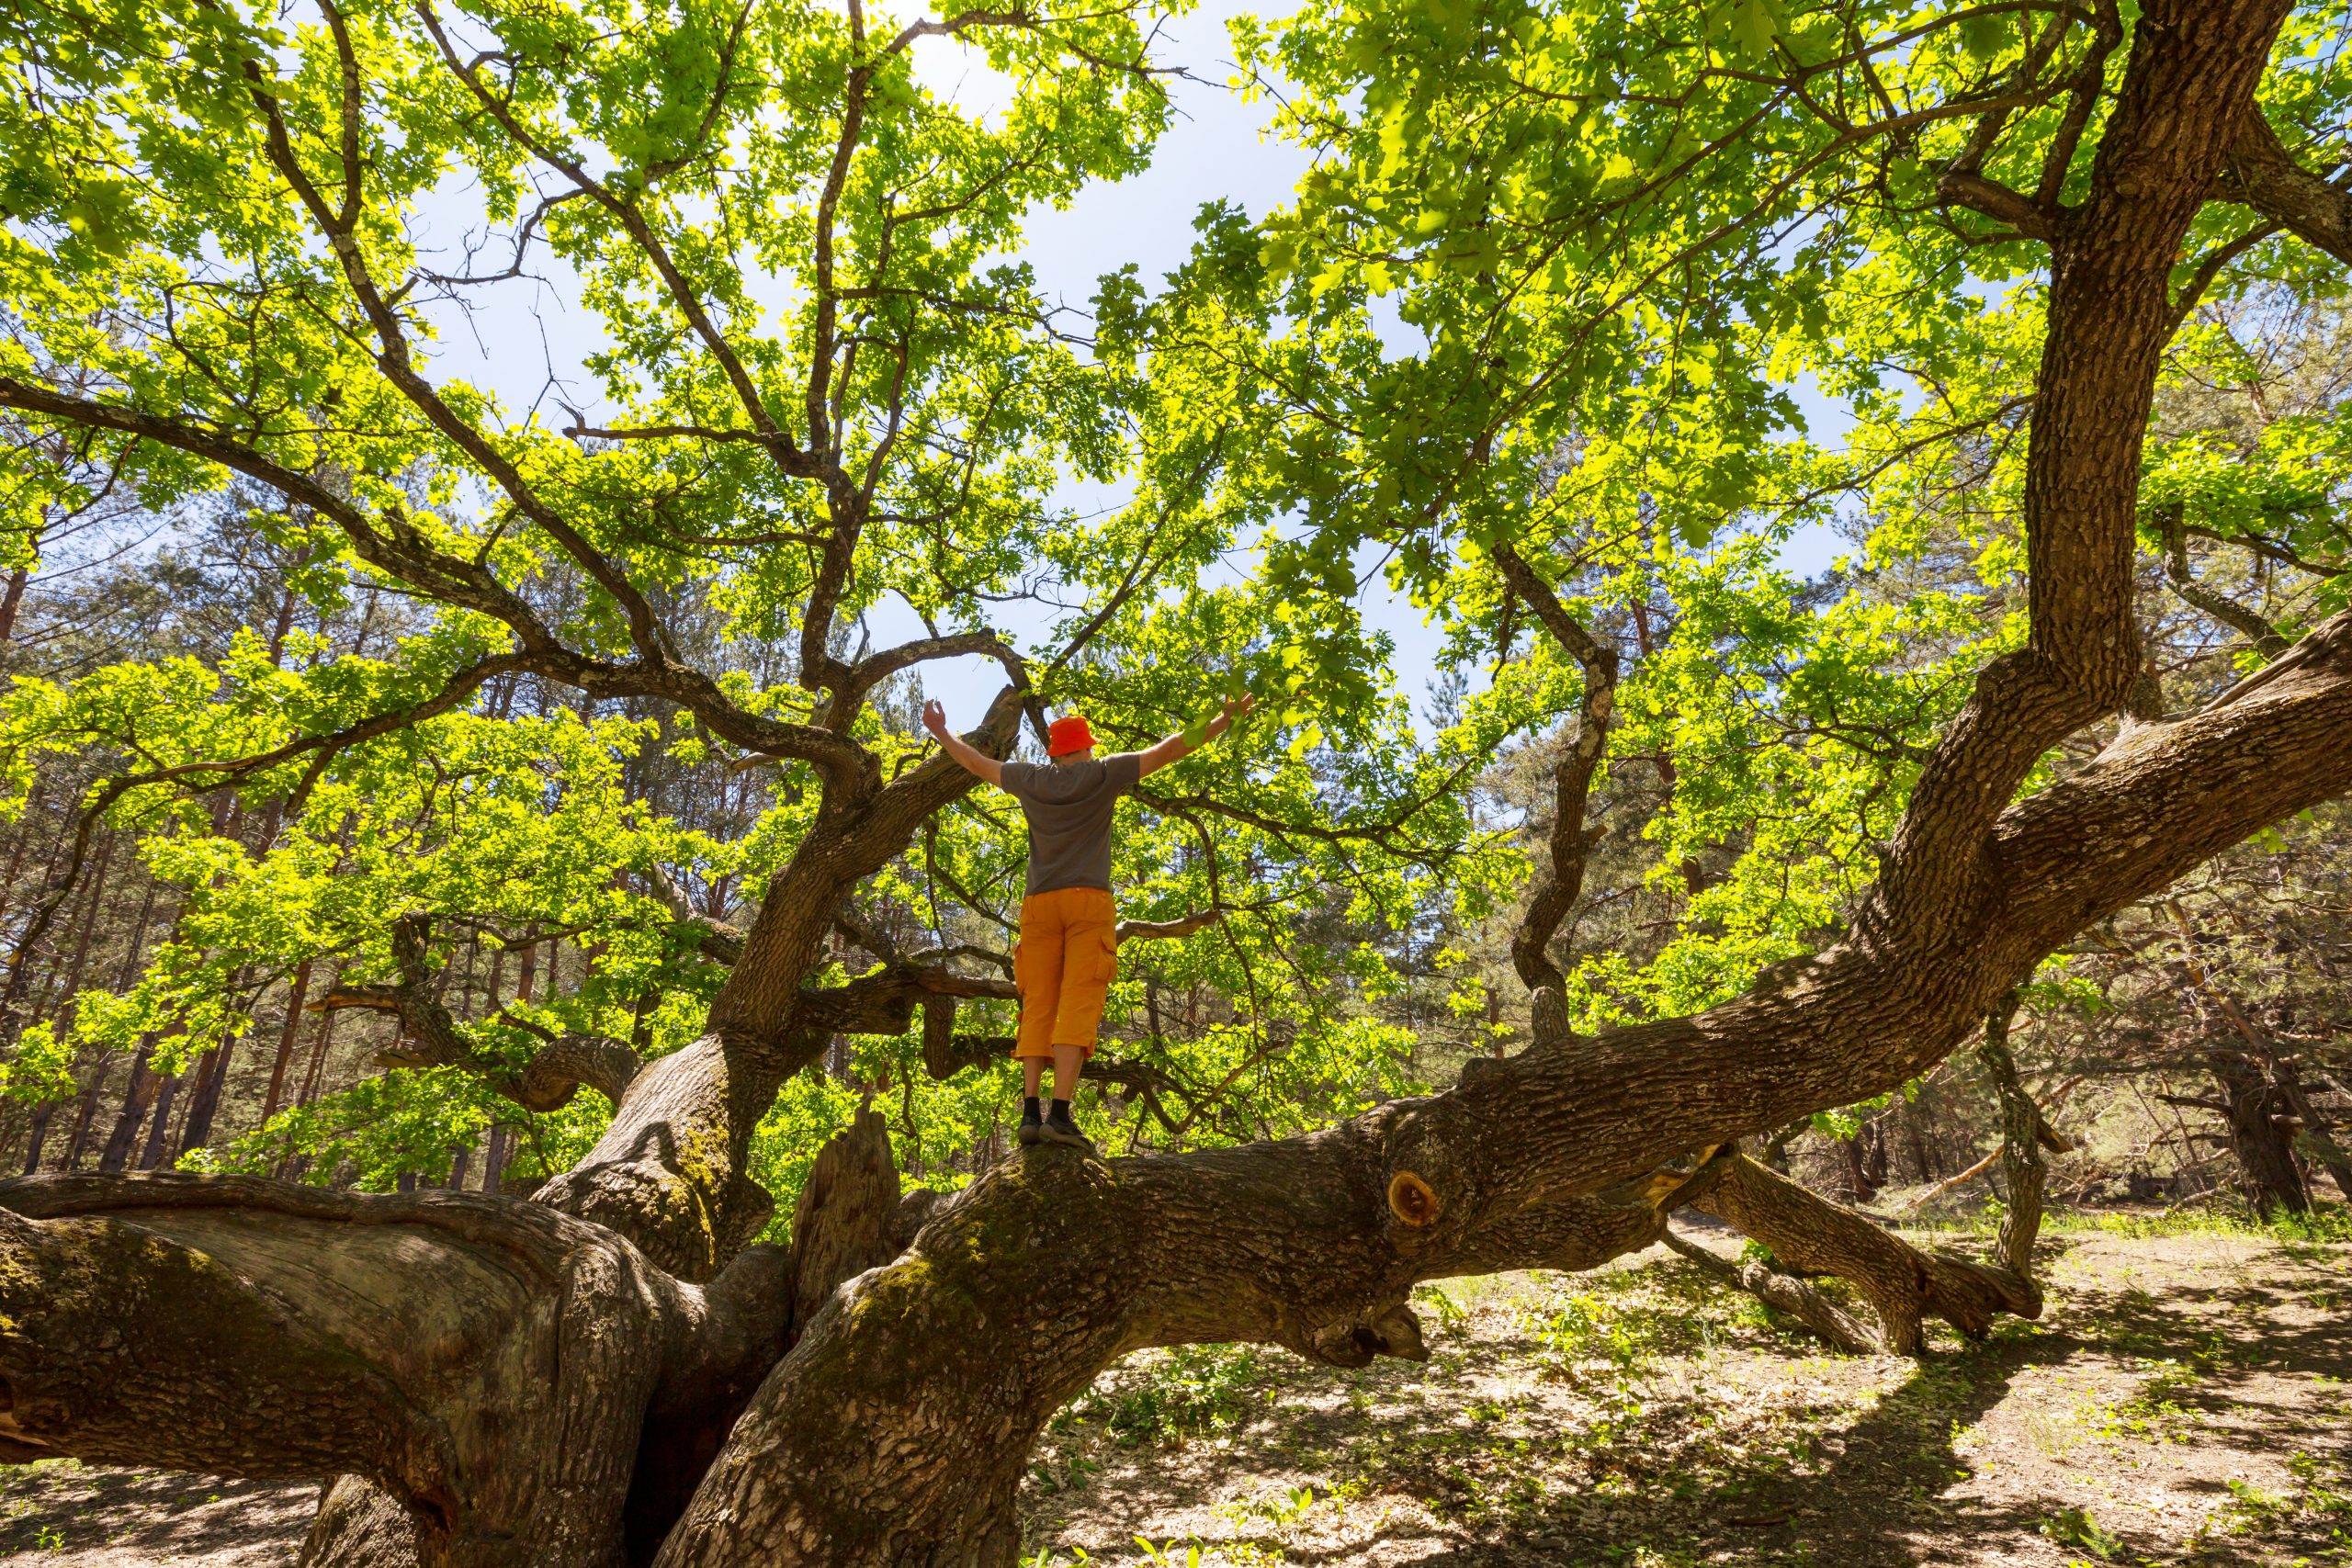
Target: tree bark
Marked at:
2318, 1133
487, 1363
1824, 1318
159, 1130
212, 1077
924, 1381
2261, 172
844, 1225
2264, 1148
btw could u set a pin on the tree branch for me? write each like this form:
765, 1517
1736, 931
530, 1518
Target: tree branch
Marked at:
2261, 174
394, 545
430, 1036
1559, 883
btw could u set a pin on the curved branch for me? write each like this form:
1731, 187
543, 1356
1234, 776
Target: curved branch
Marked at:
871, 671
429, 1036
1559, 881
1903, 1284
2265, 637
1164, 930
2261, 174
1965, 187
1783, 1292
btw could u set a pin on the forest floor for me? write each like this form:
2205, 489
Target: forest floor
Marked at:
2186, 1399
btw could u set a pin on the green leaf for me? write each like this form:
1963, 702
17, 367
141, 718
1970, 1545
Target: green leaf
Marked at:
1753, 27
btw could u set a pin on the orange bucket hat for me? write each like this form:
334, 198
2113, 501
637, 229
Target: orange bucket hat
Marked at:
1067, 734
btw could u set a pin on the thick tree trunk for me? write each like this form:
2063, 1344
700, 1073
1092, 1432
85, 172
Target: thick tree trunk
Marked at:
2264, 1146
489, 1363
843, 1226
671, 1167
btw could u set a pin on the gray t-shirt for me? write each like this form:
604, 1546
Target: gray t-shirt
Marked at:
1068, 807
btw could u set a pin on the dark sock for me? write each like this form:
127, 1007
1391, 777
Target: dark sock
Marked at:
1029, 1107
1061, 1109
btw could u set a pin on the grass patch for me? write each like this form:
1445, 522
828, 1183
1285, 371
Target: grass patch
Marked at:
1187, 1393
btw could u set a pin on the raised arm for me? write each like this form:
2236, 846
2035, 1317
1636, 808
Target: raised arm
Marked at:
1175, 746
935, 718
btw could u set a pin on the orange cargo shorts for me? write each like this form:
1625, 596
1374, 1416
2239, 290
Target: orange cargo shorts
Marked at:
1063, 962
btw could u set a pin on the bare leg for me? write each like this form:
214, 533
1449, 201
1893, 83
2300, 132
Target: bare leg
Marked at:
1033, 1073
1068, 1059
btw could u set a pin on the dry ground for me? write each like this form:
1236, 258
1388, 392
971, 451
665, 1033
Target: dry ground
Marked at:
2186, 1400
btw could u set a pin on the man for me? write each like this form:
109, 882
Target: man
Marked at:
1067, 953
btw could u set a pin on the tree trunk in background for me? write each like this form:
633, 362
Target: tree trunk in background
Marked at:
127, 972
137, 1097
11, 601
296, 991
2265, 1149
318, 1046
2319, 1135
2023, 1135
37, 1136
1860, 1187
22, 838
85, 1112
160, 1130
207, 1102
85, 912
2254, 1107
494, 1158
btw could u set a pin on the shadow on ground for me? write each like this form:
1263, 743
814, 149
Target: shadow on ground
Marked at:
68, 1515
2182, 1403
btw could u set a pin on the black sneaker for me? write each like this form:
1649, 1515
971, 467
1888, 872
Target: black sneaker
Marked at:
1032, 1128
1057, 1128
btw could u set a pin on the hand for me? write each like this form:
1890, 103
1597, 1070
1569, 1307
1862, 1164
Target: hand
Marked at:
1238, 707
934, 717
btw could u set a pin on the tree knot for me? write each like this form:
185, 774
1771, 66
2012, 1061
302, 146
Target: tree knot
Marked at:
1412, 1200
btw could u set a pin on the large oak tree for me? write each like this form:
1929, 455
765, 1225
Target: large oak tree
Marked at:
1613, 232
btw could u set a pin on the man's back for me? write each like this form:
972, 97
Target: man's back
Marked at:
1068, 807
